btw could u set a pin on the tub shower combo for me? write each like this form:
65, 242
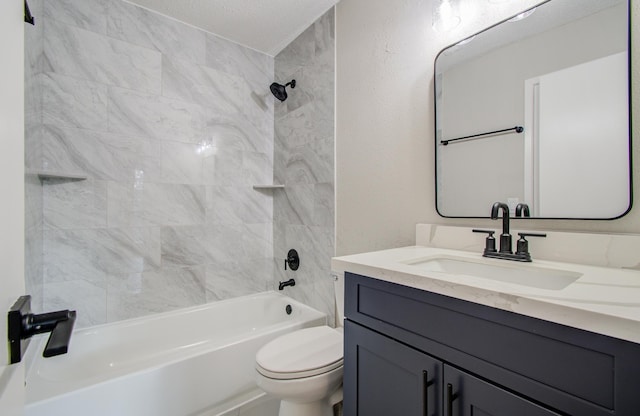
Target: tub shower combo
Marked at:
165, 168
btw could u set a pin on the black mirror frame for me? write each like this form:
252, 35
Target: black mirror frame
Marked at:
629, 72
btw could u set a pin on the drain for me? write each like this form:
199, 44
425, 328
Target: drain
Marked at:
288, 309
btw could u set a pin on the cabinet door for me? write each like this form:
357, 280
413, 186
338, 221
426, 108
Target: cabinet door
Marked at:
384, 377
466, 395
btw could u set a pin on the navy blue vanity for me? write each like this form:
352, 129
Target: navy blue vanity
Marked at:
413, 352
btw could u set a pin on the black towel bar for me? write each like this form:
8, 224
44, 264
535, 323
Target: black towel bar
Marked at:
517, 129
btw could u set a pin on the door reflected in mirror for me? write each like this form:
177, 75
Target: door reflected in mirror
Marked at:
535, 110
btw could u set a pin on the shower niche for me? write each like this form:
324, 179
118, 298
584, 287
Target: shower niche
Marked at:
45, 175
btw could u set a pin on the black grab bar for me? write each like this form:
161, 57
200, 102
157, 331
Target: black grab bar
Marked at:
517, 129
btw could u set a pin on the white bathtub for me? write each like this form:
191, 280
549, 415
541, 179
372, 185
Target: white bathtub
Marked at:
195, 361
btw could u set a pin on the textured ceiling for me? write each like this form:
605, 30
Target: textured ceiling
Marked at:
264, 25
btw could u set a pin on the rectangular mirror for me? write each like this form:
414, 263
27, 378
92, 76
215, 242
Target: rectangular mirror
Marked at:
535, 110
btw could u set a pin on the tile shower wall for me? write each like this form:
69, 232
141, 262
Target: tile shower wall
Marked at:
33, 155
172, 126
304, 162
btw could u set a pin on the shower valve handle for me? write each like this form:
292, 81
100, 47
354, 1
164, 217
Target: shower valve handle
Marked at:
293, 260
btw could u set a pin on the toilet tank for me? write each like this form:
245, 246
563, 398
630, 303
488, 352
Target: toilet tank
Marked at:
338, 288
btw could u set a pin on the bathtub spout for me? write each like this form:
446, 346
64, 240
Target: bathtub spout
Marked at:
58, 342
22, 325
282, 285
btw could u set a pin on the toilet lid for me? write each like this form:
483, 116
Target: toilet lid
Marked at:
303, 353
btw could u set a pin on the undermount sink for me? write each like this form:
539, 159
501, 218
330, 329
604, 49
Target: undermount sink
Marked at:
521, 274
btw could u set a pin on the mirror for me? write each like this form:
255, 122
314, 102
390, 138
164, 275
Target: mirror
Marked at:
535, 110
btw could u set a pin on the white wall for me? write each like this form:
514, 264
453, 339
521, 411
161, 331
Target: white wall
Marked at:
383, 97
11, 158
385, 125
11, 182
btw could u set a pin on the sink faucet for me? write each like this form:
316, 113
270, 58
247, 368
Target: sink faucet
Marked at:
505, 253
522, 210
505, 237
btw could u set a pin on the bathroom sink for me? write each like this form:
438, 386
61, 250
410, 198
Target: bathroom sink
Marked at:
521, 274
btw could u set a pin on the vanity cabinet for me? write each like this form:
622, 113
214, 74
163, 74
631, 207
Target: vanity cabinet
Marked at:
391, 378
411, 352
467, 395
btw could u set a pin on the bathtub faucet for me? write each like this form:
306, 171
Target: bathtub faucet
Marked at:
282, 285
23, 325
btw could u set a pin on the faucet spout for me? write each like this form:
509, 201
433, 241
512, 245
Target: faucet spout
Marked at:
282, 285
59, 323
505, 237
522, 210
22, 324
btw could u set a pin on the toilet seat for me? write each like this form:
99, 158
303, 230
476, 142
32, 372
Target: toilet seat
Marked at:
304, 353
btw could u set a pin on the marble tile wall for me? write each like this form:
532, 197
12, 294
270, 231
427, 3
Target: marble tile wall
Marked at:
172, 126
304, 211
33, 153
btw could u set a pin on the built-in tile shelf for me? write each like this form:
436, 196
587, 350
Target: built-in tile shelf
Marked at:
267, 187
71, 176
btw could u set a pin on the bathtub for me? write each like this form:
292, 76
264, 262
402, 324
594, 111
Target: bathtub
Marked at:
191, 362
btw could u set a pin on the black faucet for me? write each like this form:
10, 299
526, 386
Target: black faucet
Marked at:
22, 325
522, 210
522, 253
505, 237
282, 285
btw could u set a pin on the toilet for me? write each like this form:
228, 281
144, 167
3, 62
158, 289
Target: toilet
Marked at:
304, 368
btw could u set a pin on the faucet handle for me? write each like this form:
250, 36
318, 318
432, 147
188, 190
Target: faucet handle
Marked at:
523, 235
293, 260
490, 232
490, 242
522, 247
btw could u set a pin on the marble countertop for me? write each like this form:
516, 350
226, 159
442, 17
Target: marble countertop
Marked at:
602, 300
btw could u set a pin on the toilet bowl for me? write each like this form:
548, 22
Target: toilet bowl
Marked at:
304, 368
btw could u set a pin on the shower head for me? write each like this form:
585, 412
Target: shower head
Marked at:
280, 91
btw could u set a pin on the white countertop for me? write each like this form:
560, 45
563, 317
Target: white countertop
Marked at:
602, 300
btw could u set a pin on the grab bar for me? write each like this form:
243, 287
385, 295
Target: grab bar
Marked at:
517, 129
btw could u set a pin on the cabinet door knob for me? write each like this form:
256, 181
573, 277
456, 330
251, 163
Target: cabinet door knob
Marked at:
450, 398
